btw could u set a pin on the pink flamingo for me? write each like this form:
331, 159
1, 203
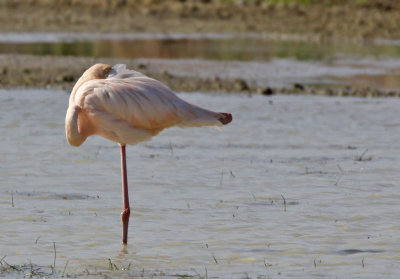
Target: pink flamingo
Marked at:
128, 107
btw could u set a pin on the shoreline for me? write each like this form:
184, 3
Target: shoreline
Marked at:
62, 72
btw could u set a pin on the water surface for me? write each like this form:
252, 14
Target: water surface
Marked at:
225, 47
295, 187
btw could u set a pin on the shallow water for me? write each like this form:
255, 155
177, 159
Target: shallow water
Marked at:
242, 47
295, 187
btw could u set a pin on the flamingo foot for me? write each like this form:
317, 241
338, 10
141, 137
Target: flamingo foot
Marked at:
125, 221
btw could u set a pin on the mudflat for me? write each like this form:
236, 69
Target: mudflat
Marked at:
341, 19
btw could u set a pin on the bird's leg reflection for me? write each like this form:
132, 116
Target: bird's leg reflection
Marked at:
125, 197
124, 250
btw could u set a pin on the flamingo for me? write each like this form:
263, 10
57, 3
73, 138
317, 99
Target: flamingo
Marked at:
127, 107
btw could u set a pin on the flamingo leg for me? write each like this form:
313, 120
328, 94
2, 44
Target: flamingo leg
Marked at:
125, 197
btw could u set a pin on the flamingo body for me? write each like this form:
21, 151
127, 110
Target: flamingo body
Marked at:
128, 107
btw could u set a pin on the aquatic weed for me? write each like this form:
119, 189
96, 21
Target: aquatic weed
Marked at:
361, 158
26, 270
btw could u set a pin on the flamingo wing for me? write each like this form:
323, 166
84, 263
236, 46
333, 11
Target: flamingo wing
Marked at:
130, 107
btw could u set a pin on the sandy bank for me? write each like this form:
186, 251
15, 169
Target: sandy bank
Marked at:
45, 71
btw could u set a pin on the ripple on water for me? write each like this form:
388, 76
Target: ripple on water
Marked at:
358, 251
53, 196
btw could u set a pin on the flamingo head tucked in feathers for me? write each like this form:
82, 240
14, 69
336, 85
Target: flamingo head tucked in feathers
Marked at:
98, 71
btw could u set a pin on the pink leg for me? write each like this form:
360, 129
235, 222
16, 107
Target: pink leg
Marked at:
125, 197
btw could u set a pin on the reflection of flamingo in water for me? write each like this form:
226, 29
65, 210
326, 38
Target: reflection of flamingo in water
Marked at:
128, 107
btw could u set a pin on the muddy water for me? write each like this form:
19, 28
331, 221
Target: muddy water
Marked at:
295, 187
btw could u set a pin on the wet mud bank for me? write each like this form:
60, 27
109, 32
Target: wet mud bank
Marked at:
197, 75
